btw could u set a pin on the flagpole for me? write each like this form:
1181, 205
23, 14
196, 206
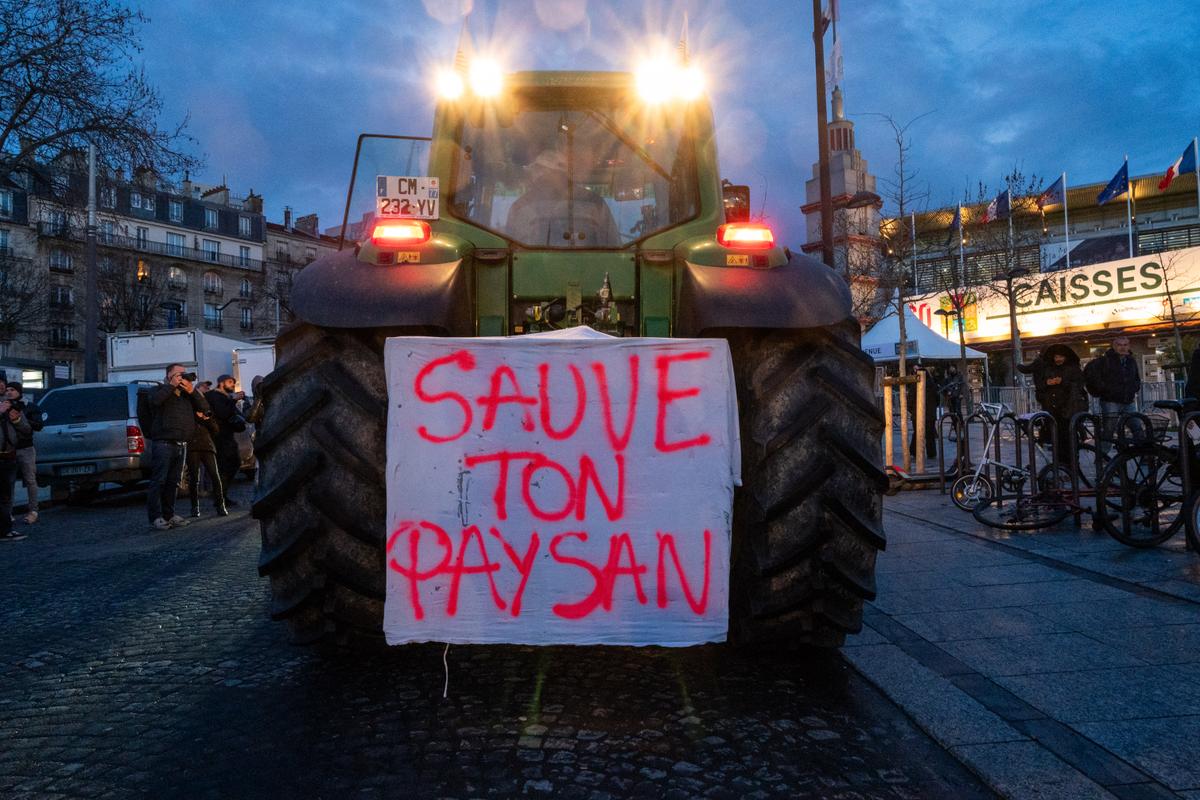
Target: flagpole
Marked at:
1196, 159
1066, 230
1129, 204
962, 267
914, 240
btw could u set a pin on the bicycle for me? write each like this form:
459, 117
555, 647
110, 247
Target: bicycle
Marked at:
1142, 489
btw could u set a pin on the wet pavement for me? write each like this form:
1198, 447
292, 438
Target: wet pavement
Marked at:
137, 664
1056, 663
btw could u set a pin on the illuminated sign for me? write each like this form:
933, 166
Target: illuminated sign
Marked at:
1117, 294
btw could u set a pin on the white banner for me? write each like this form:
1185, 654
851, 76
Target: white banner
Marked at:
559, 489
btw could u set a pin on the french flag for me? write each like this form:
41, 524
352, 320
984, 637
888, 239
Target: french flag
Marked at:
1183, 165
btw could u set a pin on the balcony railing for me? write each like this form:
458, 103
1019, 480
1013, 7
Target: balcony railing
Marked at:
76, 234
61, 265
213, 324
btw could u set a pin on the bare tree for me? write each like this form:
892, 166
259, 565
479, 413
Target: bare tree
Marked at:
1177, 314
68, 79
130, 297
24, 288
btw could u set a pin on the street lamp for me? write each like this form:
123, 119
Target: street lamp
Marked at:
1008, 277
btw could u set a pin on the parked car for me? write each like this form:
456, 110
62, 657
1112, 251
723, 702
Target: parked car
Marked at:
92, 436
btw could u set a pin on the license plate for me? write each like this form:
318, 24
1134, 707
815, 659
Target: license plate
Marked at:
78, 469
406, 197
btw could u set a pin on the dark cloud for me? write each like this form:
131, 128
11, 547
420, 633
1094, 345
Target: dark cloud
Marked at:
278, 92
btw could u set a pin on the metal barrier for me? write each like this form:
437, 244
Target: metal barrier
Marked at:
962, 447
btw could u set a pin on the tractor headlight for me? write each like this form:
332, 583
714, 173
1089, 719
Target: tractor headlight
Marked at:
484, 77
663, 80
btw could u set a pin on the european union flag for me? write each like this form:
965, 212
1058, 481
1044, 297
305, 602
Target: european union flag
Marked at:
1118, 186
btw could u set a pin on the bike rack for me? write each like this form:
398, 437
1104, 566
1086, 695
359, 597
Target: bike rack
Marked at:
1035, 423
998, 466
1187, 451
1079, 430
962, 447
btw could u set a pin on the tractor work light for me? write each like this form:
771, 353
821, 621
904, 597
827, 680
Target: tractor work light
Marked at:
484, 77
746, 235
400, 232
663, 80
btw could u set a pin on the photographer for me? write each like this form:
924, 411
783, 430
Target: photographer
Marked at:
12, 427
224, 403
26, 455
173, 406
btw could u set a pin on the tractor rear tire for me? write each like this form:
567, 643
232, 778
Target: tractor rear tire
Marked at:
807, 521
321, 500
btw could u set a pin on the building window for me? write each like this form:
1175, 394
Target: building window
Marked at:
309, 255
6, 203
107, 231
212, 317
176, 207
243, 256
108, 197
143, 237
212, 283
212, 249
281, 254
145, 202
247, 290
105, 263
247, 319
3, 241
57, 223
176, 243
143, 271
210, 219
243, 226
176, 278
62, 297
148, 202
62, 336
135, 199
61, 261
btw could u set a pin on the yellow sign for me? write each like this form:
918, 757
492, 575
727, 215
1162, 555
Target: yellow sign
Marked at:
408, 257
737, 261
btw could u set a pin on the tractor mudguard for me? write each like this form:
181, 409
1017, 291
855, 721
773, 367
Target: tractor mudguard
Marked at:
339, 291
803, 293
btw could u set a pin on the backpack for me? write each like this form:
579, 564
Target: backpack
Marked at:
146, 411
1093, 377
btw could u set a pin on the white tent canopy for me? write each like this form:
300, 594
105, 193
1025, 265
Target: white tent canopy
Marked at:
882, 342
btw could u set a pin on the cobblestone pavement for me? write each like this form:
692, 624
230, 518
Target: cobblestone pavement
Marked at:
143, 664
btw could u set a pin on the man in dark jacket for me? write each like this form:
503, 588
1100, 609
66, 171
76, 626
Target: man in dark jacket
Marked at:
224, 403
174, 405
12, 427
1058, 386
201, 452
1114, 378
26, 455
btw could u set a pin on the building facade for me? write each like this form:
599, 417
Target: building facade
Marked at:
168, 256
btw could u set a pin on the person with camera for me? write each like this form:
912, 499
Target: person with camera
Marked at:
224, 403
201, 452
26, 455
173, 407
13, 426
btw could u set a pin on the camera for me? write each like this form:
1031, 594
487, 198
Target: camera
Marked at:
189, 376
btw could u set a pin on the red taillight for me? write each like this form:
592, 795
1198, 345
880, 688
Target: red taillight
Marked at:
400, 232
746, 235
134, 440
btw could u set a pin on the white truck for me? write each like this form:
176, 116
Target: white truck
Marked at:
250, 362
144, 355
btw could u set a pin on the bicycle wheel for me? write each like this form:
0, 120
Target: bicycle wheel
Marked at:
1023, 513
1143, 497
1192, 518
969, 491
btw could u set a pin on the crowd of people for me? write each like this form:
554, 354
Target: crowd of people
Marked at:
195, 425
185, 422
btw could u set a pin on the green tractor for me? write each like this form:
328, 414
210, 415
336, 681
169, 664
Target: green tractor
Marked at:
566, 199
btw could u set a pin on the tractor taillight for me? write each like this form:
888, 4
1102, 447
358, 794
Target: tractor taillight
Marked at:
747, 235
134, 440
401, 232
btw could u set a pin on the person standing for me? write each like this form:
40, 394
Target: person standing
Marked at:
1114, 378
26, 454
1058, 387
224, 403
952, 390
201, 452
12, 427
173, 406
